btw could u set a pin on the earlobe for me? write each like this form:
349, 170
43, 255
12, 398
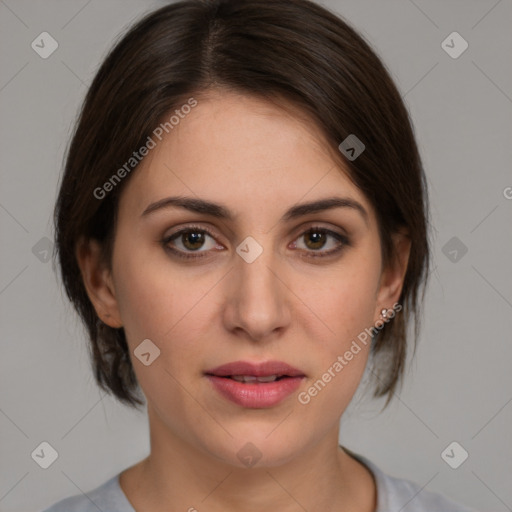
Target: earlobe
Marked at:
392, 278
97, 279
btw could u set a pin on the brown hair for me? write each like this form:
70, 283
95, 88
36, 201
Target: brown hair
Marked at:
292, 49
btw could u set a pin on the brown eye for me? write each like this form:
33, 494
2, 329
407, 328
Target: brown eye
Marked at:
315, 239
186, 242
192, 240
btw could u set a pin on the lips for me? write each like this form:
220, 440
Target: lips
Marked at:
266, 369
255, 385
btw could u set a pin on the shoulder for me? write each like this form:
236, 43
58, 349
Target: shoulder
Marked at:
401, 494
108, 496
408, 496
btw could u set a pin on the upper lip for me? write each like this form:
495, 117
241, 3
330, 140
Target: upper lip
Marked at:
263, 369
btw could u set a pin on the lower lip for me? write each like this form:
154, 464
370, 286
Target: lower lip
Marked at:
259, 395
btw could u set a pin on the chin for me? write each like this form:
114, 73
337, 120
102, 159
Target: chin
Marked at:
258, 450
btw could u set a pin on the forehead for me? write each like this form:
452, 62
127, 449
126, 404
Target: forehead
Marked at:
241, 151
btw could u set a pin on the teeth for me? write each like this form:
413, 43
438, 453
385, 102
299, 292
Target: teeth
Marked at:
244, 378
268, 378
252, 378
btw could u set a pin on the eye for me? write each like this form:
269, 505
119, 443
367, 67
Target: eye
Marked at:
194, 242
317, 238
190, 240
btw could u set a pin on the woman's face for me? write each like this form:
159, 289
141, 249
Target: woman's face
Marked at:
258, 284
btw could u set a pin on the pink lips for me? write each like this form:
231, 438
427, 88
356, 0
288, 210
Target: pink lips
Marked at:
255, 394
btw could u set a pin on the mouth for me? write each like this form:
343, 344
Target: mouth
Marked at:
252, 379
255, 385
247, 371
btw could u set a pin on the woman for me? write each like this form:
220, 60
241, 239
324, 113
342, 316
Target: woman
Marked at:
242, 224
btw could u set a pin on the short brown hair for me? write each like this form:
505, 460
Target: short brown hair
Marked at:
294, 49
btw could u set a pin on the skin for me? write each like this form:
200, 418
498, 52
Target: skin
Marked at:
257, 160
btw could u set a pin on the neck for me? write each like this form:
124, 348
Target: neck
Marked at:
323, 477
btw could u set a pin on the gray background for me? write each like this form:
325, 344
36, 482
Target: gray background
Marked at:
460, 384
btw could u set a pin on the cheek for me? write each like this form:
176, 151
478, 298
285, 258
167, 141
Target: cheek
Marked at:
346, 301
157, 300
346, 306
340, 358
145, 309
147, 294
156, 303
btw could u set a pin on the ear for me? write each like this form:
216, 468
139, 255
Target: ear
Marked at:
392, 277
98, 281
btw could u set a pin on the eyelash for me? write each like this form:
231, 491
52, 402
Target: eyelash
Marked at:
344, 242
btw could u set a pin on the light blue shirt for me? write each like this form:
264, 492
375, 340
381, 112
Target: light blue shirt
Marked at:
393, 495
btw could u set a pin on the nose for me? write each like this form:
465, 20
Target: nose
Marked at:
258, 300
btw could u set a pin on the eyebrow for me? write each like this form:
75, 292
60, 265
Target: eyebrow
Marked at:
221, 212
